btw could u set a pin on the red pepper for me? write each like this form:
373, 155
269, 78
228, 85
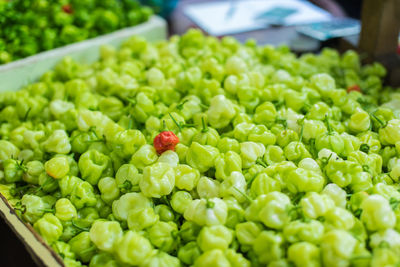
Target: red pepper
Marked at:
67, 9
354, 87
164, 141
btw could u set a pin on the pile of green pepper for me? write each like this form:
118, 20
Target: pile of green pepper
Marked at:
28, 27
281, 160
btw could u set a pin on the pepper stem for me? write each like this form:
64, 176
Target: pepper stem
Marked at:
48, 210
328, 125
87, 250
21, 209
301, 130
325, 160
203, 106
131, 101
282, 121
360, 257
27, 113
261, 162
48, 180
180, 106
250, 181
381, 122
243, 194
85, 229
394, 203
364, 148
205, 128
177, 124
210, 204
127, 185
130, 122
20, 165
313, 149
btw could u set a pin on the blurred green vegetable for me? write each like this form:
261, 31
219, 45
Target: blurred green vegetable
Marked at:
32, 26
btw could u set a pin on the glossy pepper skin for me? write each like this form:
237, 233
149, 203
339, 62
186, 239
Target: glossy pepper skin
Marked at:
164, 141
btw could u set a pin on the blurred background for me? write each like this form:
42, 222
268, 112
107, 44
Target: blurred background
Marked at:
302, 25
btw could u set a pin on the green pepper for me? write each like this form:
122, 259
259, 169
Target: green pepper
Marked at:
213, 257
105, 234
83, 196
65, 210
189, 253
86, 217
337, 194
342, 172
304, 254
234, 185
211, 211
103, 259
186, 177
109, 189
250, 152
227, 163
93, 165
132, 248
272, 210
337, 247
160, 258
158, 180
127, 142
8, 150
226, 144
57, 142
307, 231
64, 250
377, 213
57, 167
49, 227
13, 170
139, 219
47, 183
180, 200
331, 140
144, 156
265, 114
268, 246
296, 151
214, 237
221, 111
128, 202
390, 133
303, 180
33, 208
315, 205
206, 136
82, 246
162, 235
201, 157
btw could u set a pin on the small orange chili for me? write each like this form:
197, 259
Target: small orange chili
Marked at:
67, 9
354, 87
164, 141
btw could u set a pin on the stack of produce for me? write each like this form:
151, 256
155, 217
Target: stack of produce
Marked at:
205, 152
28, 27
